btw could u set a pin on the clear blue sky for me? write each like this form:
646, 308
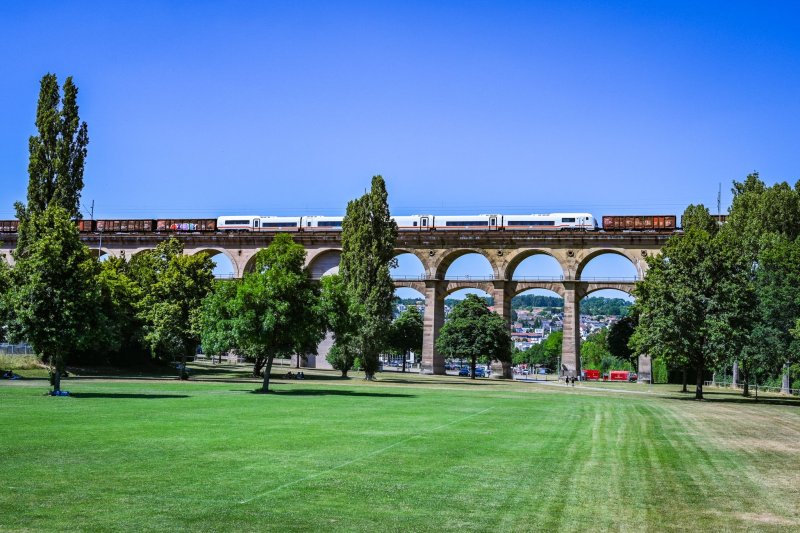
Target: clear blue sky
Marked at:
208, 108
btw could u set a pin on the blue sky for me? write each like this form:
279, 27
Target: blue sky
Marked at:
208, 108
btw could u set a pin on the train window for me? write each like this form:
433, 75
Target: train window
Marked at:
330, 223
531, 223
466, 223
415, 223
280, 224
568, 219
308, 224
236, 222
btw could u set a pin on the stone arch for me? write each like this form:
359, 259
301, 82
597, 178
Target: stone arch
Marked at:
325, 262
517, 259
418, 286
583, 261
521, 287
249, 265
213, 252
421, 259
449, 256
627, 288
455, 286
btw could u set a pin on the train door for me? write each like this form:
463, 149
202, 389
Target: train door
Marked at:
423, 222
256, 224
493, 222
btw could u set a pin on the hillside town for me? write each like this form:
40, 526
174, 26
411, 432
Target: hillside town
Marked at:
534, 318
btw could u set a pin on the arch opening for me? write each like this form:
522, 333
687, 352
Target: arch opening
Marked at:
466, 265
409, 267
223, 265
536, 330
604, 329
607, 265
536, 266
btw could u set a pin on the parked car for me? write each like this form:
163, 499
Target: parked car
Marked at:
463, 371
480, 373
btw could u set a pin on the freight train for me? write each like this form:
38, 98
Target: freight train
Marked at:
254, 223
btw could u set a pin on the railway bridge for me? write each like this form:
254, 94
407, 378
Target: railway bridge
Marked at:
436, 251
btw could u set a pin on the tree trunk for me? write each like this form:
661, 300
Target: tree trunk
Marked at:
405, 356
698, 393
746, 386
258, 365
57, 364
297, 365
344, 373
685, 379
472, 365
267, 371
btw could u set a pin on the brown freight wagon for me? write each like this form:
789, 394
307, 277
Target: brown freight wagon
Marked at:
86, 226
9, 226
184, 224
125, 226
639, 223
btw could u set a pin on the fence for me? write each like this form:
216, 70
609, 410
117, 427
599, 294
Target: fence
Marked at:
16, 349
753, 387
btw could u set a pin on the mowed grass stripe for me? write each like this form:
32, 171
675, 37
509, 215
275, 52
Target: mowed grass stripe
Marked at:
180, 456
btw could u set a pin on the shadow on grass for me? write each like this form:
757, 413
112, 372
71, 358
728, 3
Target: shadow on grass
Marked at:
734, 397
333, 392
113, 395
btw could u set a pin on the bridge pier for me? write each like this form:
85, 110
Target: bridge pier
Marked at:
502, 305
571, 343
432, 361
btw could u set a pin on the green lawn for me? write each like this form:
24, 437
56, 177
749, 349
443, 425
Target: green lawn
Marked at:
407, 453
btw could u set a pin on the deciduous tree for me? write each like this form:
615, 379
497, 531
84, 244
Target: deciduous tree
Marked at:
341, 313
272, 310
217, 319
405, 334
171, 305
695, 304
472, 331
54, 293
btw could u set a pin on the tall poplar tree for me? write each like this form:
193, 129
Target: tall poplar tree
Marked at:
368, 239
56, 154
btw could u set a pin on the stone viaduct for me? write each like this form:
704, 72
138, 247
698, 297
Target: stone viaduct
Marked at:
437, 250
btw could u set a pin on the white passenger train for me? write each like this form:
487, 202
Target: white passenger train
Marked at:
552, 221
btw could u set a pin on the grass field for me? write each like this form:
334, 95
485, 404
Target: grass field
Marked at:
407, 453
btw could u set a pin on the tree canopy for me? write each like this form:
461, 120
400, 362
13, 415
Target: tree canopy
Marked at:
406, 333
694, 305
54, 294
472, 331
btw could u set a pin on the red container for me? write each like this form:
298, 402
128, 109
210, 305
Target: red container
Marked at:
618, 375
639, 222
9, 226
186, 224
591, 374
